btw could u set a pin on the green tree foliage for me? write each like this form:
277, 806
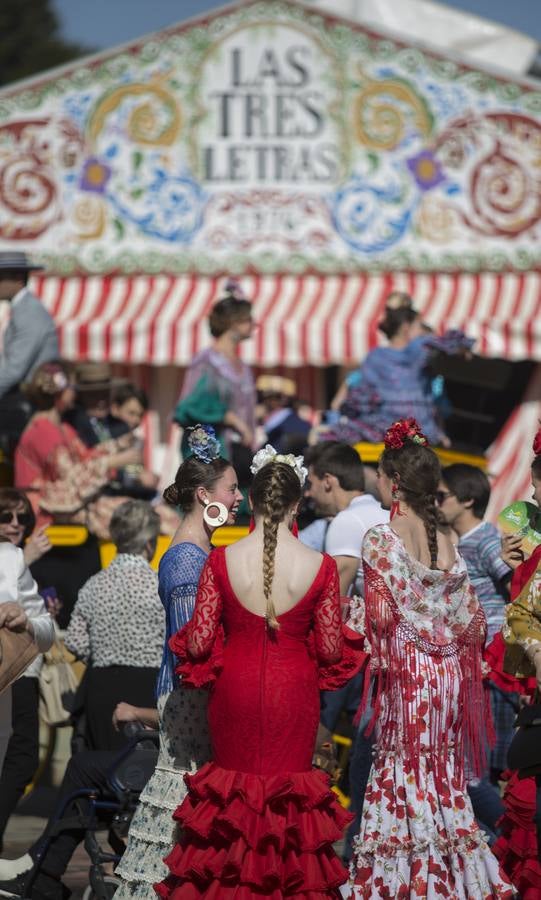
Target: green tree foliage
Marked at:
30, 40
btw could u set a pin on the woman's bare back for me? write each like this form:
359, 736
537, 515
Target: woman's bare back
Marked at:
295, 568
411, 531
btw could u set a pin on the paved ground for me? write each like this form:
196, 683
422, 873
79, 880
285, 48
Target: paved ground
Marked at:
25, 826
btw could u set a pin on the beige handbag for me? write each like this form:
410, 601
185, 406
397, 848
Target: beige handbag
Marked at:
17, 650
57, 686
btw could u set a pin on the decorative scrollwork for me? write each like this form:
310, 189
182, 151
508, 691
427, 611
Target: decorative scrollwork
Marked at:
381, 111
154, 120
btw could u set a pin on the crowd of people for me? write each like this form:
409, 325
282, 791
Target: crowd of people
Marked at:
245, 655
398, 609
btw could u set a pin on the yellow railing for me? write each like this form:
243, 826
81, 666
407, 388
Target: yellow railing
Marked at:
75, 535
370, 453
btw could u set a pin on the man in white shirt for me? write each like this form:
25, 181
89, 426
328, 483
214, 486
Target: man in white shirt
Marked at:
336, 486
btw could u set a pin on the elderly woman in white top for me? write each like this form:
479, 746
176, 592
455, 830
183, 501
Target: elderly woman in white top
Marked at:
21, 608
118, 626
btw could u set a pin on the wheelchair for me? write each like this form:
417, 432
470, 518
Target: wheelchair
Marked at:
126, 779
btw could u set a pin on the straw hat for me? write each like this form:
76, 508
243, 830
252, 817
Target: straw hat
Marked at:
94, 376
276, 384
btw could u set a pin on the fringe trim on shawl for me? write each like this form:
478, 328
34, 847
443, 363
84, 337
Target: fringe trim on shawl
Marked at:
392, 638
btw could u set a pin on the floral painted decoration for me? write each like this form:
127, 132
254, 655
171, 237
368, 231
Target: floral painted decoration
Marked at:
536, 447
426, 170
203, 443
268, 454
402, 431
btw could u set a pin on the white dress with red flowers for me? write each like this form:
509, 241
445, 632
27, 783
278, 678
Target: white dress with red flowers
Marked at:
418, 835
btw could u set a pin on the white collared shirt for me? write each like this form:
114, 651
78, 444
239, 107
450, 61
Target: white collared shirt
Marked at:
347, 530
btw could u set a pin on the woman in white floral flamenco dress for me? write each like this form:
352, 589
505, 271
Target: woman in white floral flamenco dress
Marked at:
206, 491
418, 836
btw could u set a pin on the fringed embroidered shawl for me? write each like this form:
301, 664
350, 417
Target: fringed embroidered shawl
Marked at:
426, 629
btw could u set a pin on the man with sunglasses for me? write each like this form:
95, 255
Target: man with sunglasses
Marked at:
463, 496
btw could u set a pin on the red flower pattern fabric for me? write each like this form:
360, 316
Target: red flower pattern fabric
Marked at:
418, 836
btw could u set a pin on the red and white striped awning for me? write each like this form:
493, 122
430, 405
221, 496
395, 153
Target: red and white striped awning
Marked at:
303, 320
510, 457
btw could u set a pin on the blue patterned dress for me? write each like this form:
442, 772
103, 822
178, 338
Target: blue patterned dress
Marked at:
184, 739
393, 383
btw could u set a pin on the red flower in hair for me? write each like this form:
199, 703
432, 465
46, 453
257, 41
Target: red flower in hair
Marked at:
402, 431
537, 443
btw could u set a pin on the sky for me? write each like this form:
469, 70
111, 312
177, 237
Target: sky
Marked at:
105, 23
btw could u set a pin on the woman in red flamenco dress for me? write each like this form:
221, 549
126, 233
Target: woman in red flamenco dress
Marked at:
259, 821
517, 847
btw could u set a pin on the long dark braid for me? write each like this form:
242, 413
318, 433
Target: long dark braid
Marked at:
428, 512
275, 488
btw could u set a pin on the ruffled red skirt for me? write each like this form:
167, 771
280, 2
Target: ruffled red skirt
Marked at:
245, 836
516, 848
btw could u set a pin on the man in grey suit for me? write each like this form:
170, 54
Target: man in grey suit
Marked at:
30, 337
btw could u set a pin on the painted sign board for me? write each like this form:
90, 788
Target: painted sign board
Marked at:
269, 137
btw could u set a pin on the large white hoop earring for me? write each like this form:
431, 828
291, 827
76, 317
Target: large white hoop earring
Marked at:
221, 514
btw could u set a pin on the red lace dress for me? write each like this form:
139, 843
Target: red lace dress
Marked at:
259, 820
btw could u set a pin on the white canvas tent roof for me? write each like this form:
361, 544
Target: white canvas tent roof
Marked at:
481, 41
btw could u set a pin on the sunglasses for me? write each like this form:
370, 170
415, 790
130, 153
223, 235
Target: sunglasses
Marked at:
11, 515
441, 496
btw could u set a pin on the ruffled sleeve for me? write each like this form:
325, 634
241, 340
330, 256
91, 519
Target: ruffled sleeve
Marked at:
337, 649
453, 343
353, 659
199, 645
197, 672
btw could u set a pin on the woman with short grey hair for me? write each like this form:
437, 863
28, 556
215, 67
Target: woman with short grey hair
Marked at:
118, 625
135, 527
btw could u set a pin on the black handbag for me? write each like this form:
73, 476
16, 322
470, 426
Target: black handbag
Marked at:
524, 754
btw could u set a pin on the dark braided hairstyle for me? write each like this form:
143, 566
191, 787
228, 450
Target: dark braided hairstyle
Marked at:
416, 470
275, 488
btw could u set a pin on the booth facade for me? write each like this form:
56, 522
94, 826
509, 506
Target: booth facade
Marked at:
323, 164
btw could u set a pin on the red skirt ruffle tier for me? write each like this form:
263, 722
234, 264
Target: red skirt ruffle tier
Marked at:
245, 836
516, 848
